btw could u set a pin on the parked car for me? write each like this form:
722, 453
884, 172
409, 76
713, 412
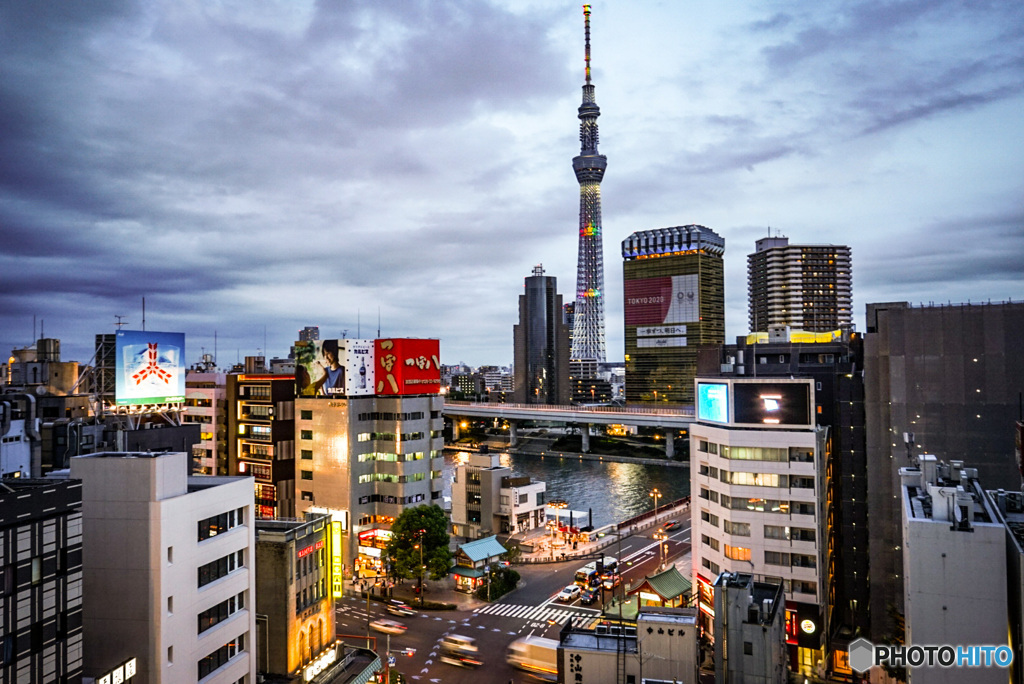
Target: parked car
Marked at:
569, 594
612, 581
588, 596
399, 608
670, 525
388, 626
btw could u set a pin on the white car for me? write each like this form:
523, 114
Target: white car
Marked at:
569, 594
388, 626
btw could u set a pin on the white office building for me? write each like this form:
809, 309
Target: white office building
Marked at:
167, 568
487, 498
758, 483
955, 567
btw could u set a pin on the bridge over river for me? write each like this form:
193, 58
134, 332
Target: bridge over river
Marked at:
670, 419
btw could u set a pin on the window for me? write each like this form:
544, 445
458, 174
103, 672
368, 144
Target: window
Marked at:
736, 528
755, 479
170, 555
713, 567
524, 498
802, 560
709, 541
776, 532
170, 605
220, 612
776, 558
221, 655
704, 493
306, 434
219, 568
307, 496
737, 553
307, 474
709, 518
218, 524
748, 648
306, 415
37, 569
306, 454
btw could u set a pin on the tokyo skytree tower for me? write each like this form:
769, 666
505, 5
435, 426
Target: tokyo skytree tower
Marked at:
588, 326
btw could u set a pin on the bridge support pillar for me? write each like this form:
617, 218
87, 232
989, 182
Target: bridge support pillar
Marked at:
585, 437
670, 445
513, 435
455, 429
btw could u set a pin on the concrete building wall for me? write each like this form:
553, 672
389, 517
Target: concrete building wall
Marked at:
140, 542
951, 375
955, 589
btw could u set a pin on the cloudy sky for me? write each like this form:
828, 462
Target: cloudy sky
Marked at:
252, 167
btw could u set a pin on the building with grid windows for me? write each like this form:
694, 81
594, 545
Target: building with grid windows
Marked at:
805, 287
40, 580
178, 553
261, 439
674, 301
758, 478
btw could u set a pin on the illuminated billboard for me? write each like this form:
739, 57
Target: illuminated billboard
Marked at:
333, 368
662, 300
713, 402
150, 367
407, 366
772, 403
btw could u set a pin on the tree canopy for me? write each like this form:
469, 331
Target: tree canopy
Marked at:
425, 524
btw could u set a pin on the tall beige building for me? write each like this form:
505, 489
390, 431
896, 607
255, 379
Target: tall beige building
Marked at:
805, 287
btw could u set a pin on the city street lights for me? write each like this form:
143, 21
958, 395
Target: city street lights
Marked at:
656, 495
420, 547
661, 536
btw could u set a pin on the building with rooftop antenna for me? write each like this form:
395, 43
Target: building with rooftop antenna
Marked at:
588, 347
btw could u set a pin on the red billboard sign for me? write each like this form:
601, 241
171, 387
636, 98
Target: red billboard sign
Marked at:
407, 366
661, 300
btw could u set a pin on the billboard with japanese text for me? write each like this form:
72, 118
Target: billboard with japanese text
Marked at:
150, 367
333, 368
662, 300
407, 366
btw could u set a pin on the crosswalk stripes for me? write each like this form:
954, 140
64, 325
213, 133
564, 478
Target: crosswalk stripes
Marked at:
539, 613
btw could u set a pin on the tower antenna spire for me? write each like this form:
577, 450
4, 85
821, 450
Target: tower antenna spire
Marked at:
588, 346
586, 33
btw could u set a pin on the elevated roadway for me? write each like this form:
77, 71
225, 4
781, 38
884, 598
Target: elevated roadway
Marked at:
670, 419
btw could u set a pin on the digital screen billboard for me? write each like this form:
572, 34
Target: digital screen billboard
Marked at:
713, 402
150, 367
407, 366
662, 300
772, 403
333, 368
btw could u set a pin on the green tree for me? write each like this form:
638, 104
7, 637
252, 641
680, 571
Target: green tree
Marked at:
422, 529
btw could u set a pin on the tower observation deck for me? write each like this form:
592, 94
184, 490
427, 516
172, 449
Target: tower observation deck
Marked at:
588, 324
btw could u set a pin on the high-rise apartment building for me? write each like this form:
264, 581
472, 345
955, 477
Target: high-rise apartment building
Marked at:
758, 478
588, 342
942, 380
369, 439
261, 438
40, 581
805, 287
168, 570
674, 301
541, 344
206, 404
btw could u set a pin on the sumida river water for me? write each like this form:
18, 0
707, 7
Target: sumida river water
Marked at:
613, 491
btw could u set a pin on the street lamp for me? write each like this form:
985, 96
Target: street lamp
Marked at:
662, 546
656, 495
